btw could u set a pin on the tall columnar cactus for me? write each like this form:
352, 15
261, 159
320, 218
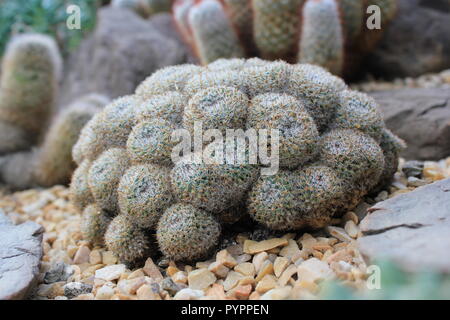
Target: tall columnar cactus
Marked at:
333, 149
329, 33
31, 68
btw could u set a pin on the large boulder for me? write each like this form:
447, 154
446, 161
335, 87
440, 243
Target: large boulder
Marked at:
412, 229
120, 53
416, 42
20, 256
421, 117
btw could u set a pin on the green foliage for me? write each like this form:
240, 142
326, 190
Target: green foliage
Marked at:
45, 16
395, 284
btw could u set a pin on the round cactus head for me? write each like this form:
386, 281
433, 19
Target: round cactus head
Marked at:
288, 145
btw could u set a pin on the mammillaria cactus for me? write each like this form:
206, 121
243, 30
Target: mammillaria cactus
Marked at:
329, 33
333, 149
30, 155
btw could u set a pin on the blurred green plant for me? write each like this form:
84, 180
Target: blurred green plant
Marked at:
395, 284
48, 17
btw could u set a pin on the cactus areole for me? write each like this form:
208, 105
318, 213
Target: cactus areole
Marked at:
333, 148
335, 34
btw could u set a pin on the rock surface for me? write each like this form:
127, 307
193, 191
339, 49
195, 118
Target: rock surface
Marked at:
20, 255
416, 42
421, 117
411, 228
116, 57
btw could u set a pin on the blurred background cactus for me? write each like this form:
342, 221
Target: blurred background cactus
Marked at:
330, 33
47, 17
35, 144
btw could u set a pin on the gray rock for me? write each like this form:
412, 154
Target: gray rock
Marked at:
119, 54
58, 272
412, 229
20, 256
74, 289
421, 117
171, 287
416, 42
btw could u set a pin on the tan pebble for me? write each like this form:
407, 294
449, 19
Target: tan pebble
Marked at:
188, 268
313, 270
243, 258
327, 254
201, 279
241, 292
131, 286
71, 250
287, 275
171, 270
104, 293
340, 246
218, 269
152, 270
124, 276
277, 294
254, 296
248, 244
112, 272
258, 260
203, 264
82, 255
232, 280
338, 233
307, 241
240, 238
267, 283
225, 258
298, 293
274, 251
340, 255
95, 257
265, 245
236, 249
90, 271
266, 268
180, 277
84, 296
317, 254
109, 258
216, 292
280, 265
247, 280
352, 229
289, 236
122, 296
145, 292
351, 216
290, 250
432, 171
136, 274
99, 282
246, 268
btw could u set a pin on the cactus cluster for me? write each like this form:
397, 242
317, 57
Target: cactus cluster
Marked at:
31, 154
333, 149
329, 33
